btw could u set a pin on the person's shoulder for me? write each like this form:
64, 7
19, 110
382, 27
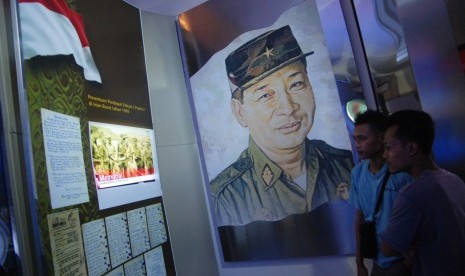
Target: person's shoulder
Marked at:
401, 179
363, 164
434, 179
360, 167
451, 175
231, 173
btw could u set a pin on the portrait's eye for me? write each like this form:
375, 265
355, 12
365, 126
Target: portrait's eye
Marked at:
264, 97
297, 84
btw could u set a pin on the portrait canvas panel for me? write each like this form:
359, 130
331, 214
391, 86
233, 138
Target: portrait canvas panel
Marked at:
237, 156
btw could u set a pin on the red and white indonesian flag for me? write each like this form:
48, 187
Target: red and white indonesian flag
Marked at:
50, 27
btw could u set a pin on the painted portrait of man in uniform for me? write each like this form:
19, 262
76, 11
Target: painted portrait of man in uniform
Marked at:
282, 172
273, 135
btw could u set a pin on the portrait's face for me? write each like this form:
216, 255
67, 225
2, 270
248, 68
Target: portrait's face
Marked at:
367, 142
396, 151
278, 110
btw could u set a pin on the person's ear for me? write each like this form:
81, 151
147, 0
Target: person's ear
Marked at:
238, 111
381, 138
412, 148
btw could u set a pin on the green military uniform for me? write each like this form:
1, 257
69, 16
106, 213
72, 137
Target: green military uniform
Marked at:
255, 188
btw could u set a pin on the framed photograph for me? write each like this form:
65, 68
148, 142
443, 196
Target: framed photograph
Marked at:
121, 155
124, 162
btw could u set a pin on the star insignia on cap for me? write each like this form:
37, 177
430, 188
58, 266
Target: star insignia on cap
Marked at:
268, 52
267, 175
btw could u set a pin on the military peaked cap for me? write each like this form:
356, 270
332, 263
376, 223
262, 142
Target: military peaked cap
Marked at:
262, 56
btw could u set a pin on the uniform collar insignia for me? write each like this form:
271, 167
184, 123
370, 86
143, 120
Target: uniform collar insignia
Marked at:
267, 175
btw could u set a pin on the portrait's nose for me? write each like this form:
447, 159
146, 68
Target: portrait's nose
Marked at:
285, 103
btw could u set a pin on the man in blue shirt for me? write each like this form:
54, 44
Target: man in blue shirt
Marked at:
366, 183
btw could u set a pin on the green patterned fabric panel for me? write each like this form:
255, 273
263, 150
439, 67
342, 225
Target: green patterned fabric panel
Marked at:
56, 83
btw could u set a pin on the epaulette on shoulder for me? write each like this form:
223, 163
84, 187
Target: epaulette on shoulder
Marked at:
231, 173
325, 149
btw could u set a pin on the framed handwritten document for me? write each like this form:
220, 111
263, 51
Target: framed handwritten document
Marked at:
64, 158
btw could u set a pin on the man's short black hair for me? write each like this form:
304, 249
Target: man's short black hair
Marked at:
375, 119
414, 126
